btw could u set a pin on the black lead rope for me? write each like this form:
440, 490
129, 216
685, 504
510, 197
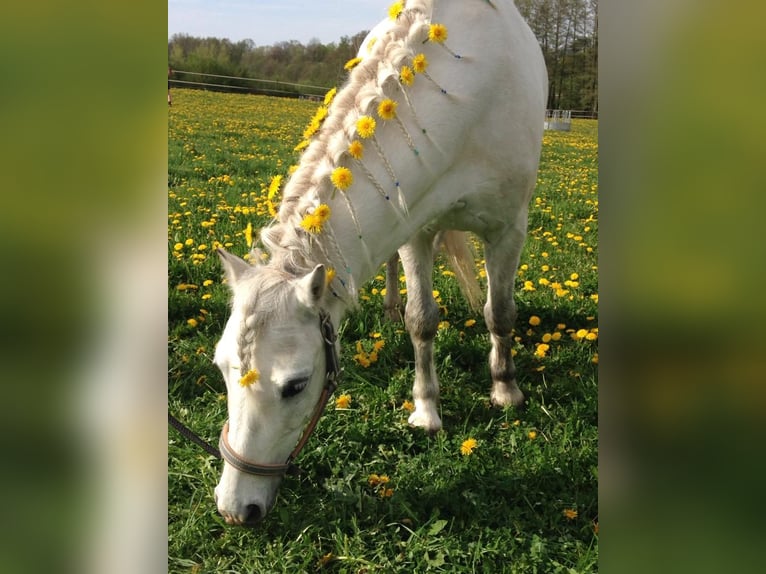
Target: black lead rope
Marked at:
192, 436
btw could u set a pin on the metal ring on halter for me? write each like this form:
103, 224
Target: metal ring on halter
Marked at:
332, 370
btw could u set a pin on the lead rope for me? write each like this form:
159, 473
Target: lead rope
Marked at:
192, 436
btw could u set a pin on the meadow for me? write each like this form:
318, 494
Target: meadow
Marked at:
498, 490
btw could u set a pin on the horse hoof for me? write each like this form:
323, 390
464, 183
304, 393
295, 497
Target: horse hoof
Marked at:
507, 395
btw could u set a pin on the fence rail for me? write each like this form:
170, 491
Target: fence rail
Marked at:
243, 84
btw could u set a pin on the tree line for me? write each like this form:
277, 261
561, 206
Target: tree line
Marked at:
566, 29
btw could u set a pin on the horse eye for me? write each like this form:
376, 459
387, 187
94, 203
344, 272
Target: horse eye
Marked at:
294, 386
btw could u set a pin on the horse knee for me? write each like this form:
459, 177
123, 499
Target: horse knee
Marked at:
421, 319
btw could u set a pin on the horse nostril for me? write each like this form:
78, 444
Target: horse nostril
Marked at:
252, 514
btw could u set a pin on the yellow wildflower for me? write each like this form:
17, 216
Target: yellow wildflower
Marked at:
437, 33
192, 322
408, 406
468, 446
330, 275
387, 109
343, 401
249, 378
541, 350
395, 9
356, 149
274, 186
301, 146
570, 513
207, 282
312, 223
365, 126
419, 63
406, 76
351, 64
342, 178
249, 234
532, 435
323, 211
178, 246
470, 322
534, 320
330, 96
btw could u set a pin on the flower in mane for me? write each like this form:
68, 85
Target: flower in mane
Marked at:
356, 149
395, 9
342, 178
365, 126
313, 222
387, 109
419, 63
301, 146
406, 76
330, 275
330, 96
250, 378
312, 128
437, 33
320, 114
351, 64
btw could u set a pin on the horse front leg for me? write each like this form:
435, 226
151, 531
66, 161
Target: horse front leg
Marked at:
421, 317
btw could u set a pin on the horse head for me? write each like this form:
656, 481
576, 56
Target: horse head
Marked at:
274, 358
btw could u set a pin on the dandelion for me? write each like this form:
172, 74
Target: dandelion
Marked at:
330, 275
192, 322
534, 320
406, 76
437, 33
532, 435
570, 513
387, 109
470, 323
274, 186
580, 334
343, 401
419, 63
323, 211
178, 246
330, 96
351, 64
207, 282
356, 149
468, 446
365, 126
408, 406
342, 178
541, 350
249, 234
395, 9
249, 378
301, 146
312, 223
189, 242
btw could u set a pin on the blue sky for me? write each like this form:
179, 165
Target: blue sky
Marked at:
269, 21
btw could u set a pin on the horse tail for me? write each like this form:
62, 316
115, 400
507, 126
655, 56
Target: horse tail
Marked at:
462, 261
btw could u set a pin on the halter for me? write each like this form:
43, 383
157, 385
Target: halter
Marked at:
332, 370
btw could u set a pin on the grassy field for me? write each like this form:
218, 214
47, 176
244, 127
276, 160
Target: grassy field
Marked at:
376, 495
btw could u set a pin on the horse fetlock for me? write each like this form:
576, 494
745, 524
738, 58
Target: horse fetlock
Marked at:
506, 394
425, 416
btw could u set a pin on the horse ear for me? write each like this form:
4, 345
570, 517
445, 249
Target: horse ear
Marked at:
233, 267
312, 286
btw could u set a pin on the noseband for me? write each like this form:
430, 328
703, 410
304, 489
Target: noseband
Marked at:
332, 370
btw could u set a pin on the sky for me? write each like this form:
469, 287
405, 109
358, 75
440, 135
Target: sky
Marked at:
269, 21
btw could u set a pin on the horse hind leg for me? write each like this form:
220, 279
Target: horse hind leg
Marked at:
392, 302
502, 260
421, 317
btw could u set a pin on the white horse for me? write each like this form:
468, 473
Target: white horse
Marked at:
439, 127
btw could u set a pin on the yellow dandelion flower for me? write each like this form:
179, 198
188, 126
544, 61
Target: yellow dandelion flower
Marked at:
189, 242
342, 178
419, 63
594, 360
276, 183
378, 345
207, 282
365, 126
249, 234
330, 275
541, 350
343, 401
437, 33
532, 435
395, 9
312, 128
301, 146
408, 406
534, 320
178, 246
570, 513
320, 114
406, 75
470, 322
323, 211
351, 64
387, 109
192, 322
249, 378
330, 96
312, 223
356, 149
580, 334
468, 446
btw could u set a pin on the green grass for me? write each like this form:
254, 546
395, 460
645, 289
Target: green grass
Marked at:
501, 509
